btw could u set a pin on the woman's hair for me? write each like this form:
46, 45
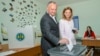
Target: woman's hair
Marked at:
90, 30
67, 8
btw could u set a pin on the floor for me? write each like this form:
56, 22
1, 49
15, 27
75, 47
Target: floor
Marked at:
96, 52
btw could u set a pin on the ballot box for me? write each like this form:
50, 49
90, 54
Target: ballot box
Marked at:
63, 51
21, 37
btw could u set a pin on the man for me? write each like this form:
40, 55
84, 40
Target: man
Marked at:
50, 29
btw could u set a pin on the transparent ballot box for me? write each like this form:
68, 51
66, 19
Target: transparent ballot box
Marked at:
63, 51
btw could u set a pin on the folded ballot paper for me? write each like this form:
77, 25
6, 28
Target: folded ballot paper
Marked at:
70, 45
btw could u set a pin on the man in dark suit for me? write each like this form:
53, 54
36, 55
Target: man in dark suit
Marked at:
50, 29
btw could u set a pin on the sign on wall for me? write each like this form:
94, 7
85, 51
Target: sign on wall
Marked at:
76, 22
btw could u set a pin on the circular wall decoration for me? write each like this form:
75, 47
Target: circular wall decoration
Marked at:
20, 36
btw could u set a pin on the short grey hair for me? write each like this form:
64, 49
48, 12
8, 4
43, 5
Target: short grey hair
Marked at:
51, 2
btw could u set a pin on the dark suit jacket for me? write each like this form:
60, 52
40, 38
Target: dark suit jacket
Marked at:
50, 32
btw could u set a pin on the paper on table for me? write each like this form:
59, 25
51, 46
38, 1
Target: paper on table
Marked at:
70, 45
98, 38
6, 53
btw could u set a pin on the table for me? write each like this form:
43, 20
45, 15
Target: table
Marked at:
32, 51
91, 42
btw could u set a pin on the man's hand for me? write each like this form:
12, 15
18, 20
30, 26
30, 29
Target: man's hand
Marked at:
64, 41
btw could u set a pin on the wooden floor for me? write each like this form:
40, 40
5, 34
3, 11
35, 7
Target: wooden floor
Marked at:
96, 52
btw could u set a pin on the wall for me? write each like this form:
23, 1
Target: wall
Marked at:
19, 13
88, 12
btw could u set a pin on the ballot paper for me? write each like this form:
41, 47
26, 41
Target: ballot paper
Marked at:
70, 45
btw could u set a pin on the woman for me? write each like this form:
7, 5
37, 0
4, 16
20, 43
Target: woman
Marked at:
89, 33
66, 25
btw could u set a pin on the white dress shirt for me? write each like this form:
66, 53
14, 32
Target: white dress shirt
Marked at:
53, 17
65, 28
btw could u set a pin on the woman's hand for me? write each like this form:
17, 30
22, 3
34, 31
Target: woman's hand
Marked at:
75, 31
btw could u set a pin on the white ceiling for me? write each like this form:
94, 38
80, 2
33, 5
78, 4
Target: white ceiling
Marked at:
61, 2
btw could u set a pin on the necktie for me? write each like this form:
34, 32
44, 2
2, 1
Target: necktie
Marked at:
54, 19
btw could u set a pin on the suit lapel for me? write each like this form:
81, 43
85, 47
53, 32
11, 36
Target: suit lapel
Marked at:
56, 20
53, 20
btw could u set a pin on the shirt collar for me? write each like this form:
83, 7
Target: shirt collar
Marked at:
51, 15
